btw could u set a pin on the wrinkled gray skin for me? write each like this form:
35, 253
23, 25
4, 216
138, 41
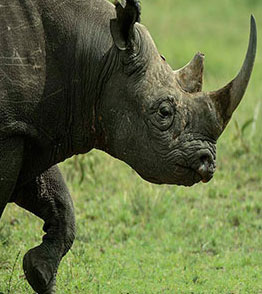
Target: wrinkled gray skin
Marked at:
77, 75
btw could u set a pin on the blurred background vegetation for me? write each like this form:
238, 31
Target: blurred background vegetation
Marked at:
138, 238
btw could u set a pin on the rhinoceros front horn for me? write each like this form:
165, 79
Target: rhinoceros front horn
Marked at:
227, 99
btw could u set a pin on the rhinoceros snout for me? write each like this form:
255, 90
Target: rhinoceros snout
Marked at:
206, 167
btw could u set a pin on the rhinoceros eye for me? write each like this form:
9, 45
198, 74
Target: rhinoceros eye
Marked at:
165, 111
164, 116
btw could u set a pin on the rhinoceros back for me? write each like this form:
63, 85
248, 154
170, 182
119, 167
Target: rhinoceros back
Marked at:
22, 63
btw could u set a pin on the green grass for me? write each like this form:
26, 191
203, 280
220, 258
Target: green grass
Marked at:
138, 238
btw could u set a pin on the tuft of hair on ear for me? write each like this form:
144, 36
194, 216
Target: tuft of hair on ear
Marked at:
129, 4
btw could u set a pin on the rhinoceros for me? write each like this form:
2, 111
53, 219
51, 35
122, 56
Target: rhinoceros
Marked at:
78, 75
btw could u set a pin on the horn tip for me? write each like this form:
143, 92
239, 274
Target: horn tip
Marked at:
198, 59
253, 23
200, 55
253, 32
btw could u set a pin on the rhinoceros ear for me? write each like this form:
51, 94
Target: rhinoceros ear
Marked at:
122, 28
190, 77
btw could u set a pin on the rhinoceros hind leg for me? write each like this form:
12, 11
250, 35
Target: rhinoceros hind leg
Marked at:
48, 198
11, 157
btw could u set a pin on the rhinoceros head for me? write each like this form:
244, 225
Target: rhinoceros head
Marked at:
158, 120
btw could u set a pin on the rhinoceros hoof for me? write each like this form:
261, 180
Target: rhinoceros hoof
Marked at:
40, 270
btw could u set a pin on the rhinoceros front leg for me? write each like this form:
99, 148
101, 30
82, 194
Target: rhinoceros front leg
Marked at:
48, 198
11, 157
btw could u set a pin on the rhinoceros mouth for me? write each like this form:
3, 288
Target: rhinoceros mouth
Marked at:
206, 178
200, 174
190, 175
182, 175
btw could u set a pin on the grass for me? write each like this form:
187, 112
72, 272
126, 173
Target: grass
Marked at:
138, 238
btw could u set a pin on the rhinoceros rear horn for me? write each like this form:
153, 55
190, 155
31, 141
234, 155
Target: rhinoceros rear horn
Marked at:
122, 28
190, 77
227, 99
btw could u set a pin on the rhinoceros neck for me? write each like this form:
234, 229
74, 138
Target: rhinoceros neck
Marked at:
78, 40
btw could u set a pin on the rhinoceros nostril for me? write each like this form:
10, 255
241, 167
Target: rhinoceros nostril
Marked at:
206, 168
206, 159
205, 173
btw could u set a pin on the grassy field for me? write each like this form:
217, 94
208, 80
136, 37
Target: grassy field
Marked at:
138, 238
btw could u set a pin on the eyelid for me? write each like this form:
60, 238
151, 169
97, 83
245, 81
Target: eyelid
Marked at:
156, 104
166, 105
